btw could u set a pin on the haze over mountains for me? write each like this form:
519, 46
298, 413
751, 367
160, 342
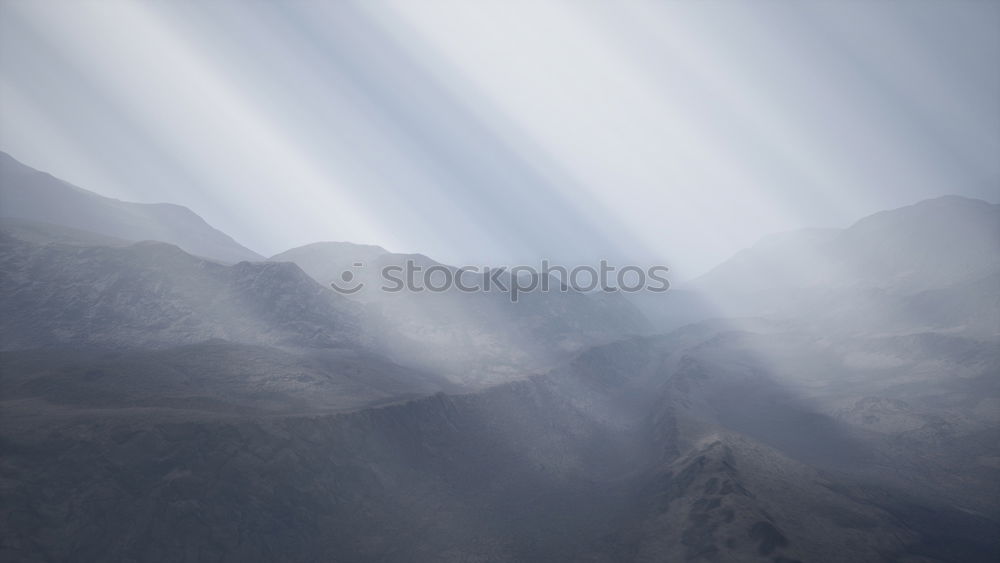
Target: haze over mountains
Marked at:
833, 396
30, 195
933, 264
928, 245
478, 337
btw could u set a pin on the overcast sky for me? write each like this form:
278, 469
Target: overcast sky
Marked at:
501, 132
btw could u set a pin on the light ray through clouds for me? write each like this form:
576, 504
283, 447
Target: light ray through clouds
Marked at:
502, 132
189, 104
626, 139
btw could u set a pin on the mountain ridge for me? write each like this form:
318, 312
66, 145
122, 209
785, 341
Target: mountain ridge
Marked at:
900, 267
29, 194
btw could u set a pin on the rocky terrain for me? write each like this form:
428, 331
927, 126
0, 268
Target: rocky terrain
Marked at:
475, 338
646, 450
159, 406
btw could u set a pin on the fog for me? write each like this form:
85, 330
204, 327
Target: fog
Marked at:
501, 132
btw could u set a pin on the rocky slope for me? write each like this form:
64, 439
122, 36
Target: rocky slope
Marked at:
151, 326
158, 406
635, 451
154, 294
476, 338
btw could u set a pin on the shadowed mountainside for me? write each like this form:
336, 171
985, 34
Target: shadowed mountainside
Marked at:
149, 325
632, 452
153, 294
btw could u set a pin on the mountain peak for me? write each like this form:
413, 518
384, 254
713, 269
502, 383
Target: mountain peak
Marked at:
336, 247
27, 194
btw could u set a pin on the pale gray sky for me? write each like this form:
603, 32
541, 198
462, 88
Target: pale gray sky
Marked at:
498, 132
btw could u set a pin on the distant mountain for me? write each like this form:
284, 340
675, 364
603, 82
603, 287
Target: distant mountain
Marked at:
29, 195
894, 270
929, 245
152, 294
478, 338
148, 325
326, 261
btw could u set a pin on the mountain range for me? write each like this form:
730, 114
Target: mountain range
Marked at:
166, 394
478, 338
933, 264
